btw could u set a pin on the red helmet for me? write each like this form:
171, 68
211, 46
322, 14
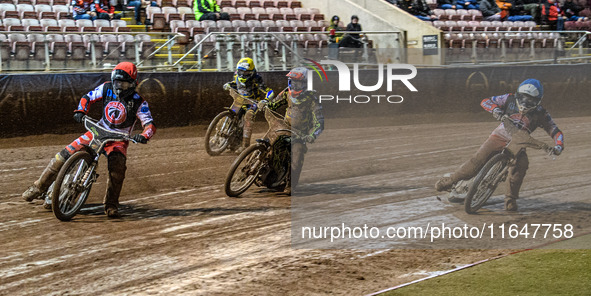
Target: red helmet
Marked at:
125, 71
297, 81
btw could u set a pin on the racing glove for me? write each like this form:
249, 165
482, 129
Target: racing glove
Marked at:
497, 113
557, 150
140, 139
79, 116
227, 86
309, 138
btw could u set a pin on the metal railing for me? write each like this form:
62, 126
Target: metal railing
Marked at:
474, 52
93, 57
257, 44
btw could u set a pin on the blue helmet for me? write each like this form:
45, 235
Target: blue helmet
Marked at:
529, 95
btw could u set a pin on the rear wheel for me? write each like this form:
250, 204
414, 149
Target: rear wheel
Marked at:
485, 183
219, 133
244, 170
68, 194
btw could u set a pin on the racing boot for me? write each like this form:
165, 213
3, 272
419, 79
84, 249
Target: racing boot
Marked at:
116, 166
445, 183
47, 177
245, 144
246, 131
287, 189
510, 204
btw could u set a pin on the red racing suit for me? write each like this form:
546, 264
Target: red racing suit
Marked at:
118, 114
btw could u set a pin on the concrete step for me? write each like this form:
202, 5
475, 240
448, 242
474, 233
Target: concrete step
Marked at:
137, 28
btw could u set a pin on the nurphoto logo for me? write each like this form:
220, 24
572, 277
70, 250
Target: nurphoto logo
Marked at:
392, 74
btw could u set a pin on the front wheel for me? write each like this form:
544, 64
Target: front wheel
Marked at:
69, 192
219, 133
485, 183
244, 170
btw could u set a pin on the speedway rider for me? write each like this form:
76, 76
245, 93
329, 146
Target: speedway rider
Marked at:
303, 113
249, 84
524, 109
122, 107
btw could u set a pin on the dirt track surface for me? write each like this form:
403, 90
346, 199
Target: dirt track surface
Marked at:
180, 234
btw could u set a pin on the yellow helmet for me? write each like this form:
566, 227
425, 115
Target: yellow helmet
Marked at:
244, 70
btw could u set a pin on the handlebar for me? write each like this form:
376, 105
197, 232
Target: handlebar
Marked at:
234, 93
104, 134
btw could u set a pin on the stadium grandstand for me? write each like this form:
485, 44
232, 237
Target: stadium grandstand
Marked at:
42, 35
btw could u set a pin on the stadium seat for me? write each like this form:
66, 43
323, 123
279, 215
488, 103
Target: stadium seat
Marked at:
298, 26
112, 46
240, 26
50, 25
58, 46
323, 24
119, 25
440, 14
12, 24
284, 26
451, 14
322, 40
31, 25
302, 14
476, 14
195, 27
225, 26
232, 11
21, 48
186, 13
288, 13
281, 3
239, 3
294, 3
464, 15
530, 26
4, 47
274, 13
76, 46
179, 26
270, 26
45, 11
260, 13
93, 42
268, 3
101, 24
62, 11
171, 13
312, 26
254, 3
182, 3
255, 26
245, 13
157, 17
68, 25
37, 42
209, 26
86, 26
26, 11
